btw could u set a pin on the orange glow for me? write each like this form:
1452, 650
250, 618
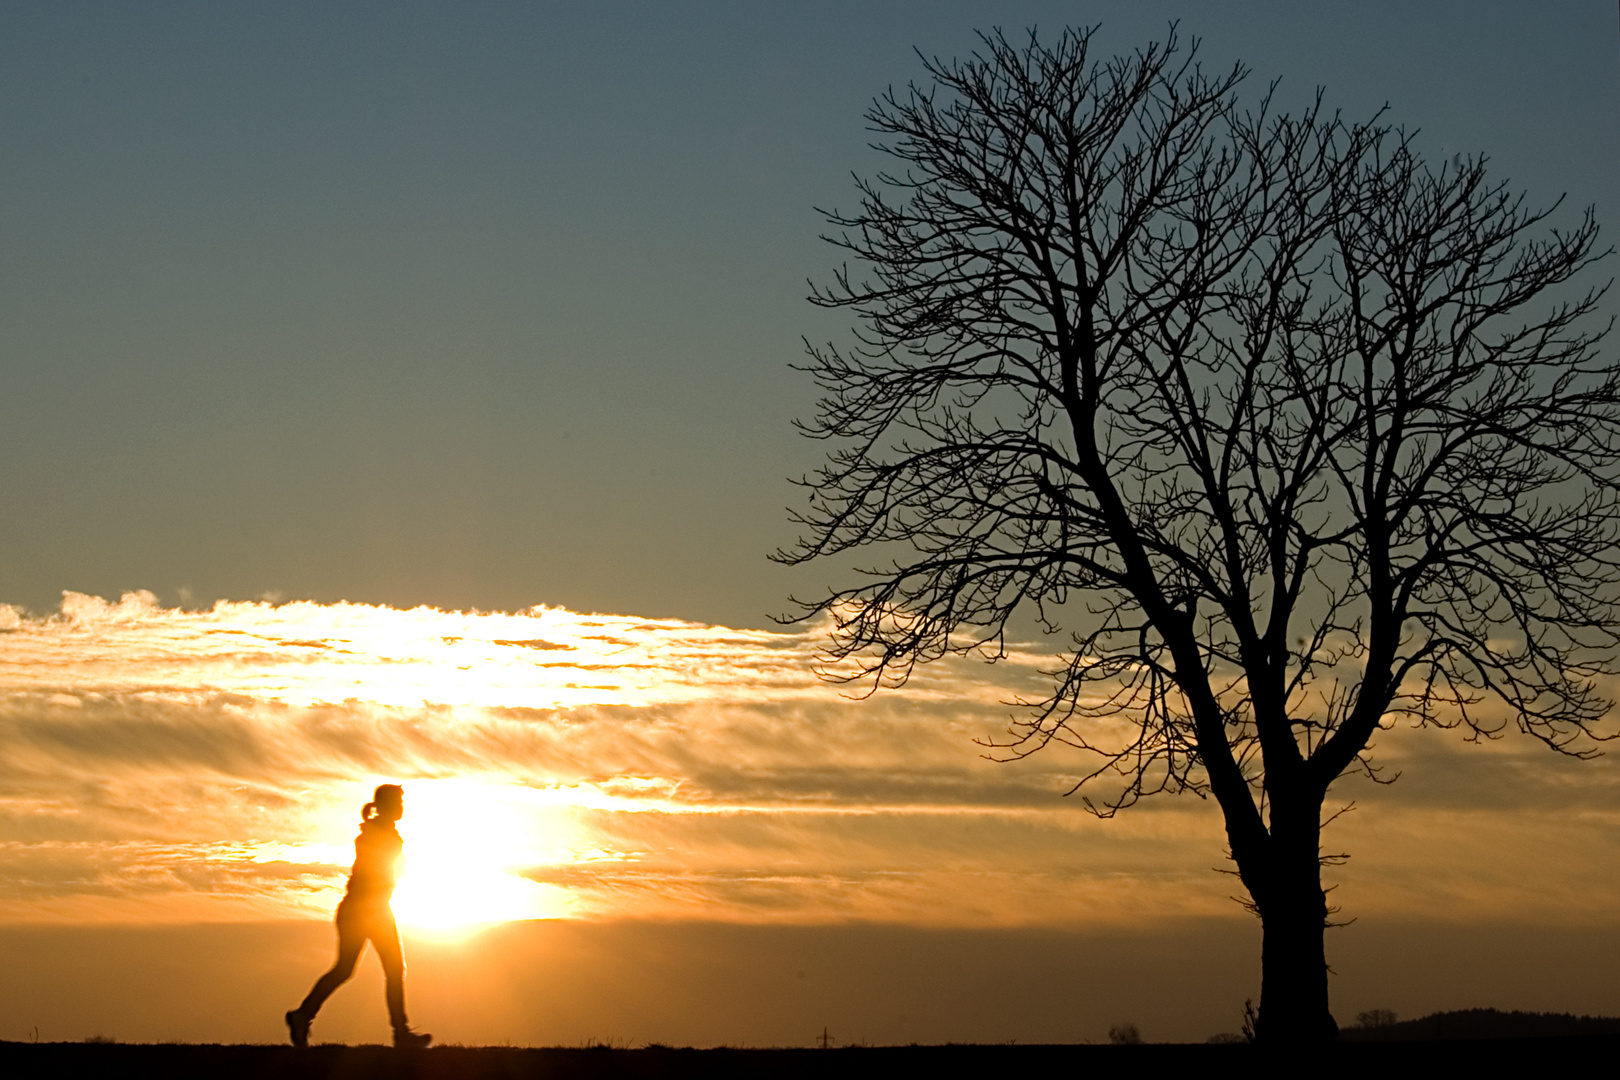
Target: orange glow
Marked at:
180, 766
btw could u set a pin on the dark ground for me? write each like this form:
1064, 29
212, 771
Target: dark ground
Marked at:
120, 1061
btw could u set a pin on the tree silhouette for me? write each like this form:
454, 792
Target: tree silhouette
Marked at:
1293, 434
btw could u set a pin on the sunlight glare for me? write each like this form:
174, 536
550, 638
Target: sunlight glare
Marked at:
466, 843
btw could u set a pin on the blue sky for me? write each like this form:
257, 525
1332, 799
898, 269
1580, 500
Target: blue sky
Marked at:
494, 305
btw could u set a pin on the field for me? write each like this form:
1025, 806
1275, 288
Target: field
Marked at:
655, 1063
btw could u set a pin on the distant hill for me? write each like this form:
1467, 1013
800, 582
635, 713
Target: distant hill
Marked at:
1485, 1024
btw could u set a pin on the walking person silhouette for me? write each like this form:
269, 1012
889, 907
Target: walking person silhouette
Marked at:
363, 914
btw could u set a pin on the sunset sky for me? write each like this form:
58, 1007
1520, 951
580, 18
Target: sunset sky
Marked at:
401, 392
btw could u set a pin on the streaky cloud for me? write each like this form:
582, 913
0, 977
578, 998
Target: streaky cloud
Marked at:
165, 764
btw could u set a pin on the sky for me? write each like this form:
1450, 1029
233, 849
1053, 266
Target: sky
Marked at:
404, 392
697, 798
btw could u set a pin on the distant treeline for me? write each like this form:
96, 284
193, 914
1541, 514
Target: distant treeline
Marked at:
1484, 1024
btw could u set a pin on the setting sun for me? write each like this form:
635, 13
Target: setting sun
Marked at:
466, 845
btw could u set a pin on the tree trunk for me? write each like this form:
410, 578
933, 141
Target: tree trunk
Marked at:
1293, 917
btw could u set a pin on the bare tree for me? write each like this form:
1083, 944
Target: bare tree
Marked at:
1292, 433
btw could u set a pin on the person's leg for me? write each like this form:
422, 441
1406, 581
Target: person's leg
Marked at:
351, 940
384, 933
385, 939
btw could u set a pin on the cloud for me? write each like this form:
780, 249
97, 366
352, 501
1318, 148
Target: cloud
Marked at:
164, 763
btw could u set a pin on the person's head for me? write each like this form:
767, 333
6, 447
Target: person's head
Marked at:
387, 803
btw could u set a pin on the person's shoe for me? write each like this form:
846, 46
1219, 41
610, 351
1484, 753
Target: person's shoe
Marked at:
297, 1027
406, 1039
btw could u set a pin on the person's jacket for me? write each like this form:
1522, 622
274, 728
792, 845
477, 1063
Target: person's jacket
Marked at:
376, 859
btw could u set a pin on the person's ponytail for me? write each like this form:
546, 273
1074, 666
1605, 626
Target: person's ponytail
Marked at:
367, 812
